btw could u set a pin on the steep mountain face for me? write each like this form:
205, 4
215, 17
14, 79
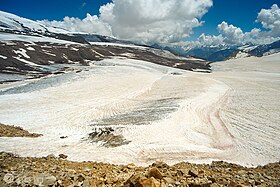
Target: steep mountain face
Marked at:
29, 49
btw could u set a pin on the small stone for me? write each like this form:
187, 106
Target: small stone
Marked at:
232, 184
63, 137
66, 182
86, 183
19, 181
258, 183
185, 172
80, 178
193, 173
62, 156
199, 185
214, 185
160, 165
50, 156
44, 180
268, 177
92, 184
228, 170
251, 176
154, 172
179, 173
212, 179
131, 166
151, 182
177, 183
252, 182
200, 172
50, 180
169, 180
133, 180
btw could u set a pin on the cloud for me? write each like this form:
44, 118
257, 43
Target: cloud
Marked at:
167, 21
142, 20
90, 24
210, 40
230, 34
270, 19
83, 5
154, 21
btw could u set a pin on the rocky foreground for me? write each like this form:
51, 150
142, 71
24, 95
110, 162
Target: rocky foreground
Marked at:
14, 131
57, 171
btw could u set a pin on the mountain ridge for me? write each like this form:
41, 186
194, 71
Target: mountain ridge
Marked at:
32, 50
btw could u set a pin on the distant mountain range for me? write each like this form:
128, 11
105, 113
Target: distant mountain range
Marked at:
220, 53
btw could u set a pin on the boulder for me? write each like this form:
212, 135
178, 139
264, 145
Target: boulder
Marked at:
150, 182
134, 179
154, 172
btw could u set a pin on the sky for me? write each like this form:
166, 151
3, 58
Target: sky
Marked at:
158, 20
241, 13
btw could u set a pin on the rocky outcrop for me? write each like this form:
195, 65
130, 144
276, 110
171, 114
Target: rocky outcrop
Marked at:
13, 131
55, 171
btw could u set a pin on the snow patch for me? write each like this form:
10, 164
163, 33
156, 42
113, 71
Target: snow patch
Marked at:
128, 55
241, 54
112, 53
21, 52
65, 56
30, 48
24, 38
26, 61
99, 54
247, 48
48, 53
4, 57
271, 51
74, 49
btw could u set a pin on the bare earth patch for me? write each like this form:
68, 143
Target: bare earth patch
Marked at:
14, 131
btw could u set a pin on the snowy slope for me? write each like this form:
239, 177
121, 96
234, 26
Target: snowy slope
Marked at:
129, 111
10, 21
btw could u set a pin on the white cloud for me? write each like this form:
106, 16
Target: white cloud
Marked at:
270, 19
230, 34
210, 40
142, 20
90, 24
154, 21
